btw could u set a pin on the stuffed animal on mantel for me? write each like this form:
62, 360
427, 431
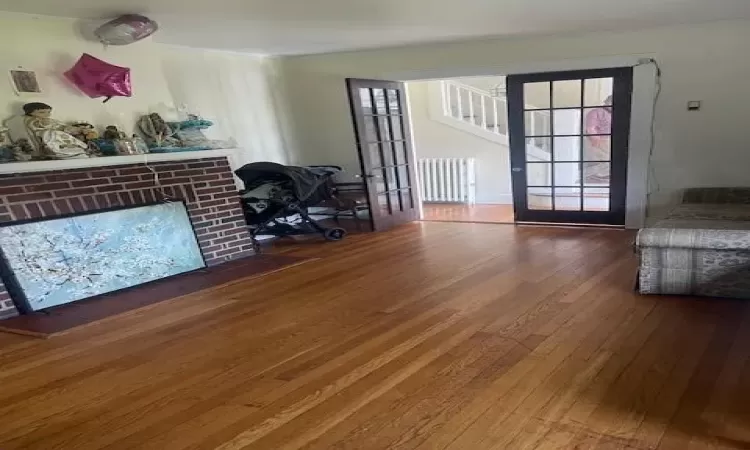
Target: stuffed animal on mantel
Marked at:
55, 138
157, 132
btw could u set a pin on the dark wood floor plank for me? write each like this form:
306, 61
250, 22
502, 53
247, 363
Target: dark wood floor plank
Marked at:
689, 421
429, 336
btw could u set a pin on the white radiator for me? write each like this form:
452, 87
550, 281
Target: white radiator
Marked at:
449, 180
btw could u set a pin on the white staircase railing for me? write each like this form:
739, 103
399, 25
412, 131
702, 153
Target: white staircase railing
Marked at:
487, 113
474, 106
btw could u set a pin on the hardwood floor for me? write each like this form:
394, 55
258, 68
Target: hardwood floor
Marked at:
446, 212
431, 336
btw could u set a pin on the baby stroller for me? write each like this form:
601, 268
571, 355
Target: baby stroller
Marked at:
276, 198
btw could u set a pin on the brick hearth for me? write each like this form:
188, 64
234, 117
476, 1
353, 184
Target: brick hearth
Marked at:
205, 184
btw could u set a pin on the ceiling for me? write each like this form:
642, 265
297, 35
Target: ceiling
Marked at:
316, 26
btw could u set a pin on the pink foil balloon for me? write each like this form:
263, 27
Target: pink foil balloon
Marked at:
97, 78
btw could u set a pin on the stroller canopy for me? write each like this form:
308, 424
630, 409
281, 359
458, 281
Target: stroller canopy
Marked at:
304, 181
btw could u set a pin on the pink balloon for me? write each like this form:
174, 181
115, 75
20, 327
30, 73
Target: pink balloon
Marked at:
97, 78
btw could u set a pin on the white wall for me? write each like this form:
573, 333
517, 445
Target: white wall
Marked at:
433, 139
700, 62
51, 46
484, 83
236, 91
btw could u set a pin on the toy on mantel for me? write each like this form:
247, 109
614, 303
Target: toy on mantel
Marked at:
190, 133
87, 133
112, 132
118, 143
186, 135
158, 134
56, 138
6, 146
21, 150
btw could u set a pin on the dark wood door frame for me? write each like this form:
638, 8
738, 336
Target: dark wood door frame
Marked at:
622, 102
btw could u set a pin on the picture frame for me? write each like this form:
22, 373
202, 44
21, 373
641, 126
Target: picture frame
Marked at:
18, 288
24, 81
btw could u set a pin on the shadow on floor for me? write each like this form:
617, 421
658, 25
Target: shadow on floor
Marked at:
283, 244
674, 373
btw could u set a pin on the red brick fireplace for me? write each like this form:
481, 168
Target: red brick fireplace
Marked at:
206, 185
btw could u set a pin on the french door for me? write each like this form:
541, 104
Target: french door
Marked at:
569, 145
380, 115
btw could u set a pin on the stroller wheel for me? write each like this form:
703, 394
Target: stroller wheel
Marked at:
334, 234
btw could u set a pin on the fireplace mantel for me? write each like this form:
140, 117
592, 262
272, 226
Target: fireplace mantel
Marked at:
106, 161
203, 179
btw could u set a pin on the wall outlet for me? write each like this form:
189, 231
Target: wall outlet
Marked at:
694, 105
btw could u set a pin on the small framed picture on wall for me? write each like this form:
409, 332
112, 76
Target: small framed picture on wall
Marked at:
24, 81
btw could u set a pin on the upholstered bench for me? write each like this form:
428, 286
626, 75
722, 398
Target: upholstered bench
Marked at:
701, 248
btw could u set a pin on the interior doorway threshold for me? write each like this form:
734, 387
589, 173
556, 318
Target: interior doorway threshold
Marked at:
571, 225
459, 212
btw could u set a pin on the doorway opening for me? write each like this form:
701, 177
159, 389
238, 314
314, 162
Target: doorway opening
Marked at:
545, 147
460, 130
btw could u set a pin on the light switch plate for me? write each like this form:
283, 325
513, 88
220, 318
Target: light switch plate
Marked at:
694, 105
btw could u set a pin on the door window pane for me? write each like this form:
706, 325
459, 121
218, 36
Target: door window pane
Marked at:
597, 148
378, 181
598, 120
537, 123
536, 95
538, 174
375, 159
403, 176
399, 148
567, 121
379, 96
568, 199
382, 205
596, 174
387, 153
406, 199
539, 198
566, 94
597, 92
568, 148
365, 100
391, 178
385, 128
371, 132
396, 130
567, 174
538, 149
395, 198
393, 103
595, 199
